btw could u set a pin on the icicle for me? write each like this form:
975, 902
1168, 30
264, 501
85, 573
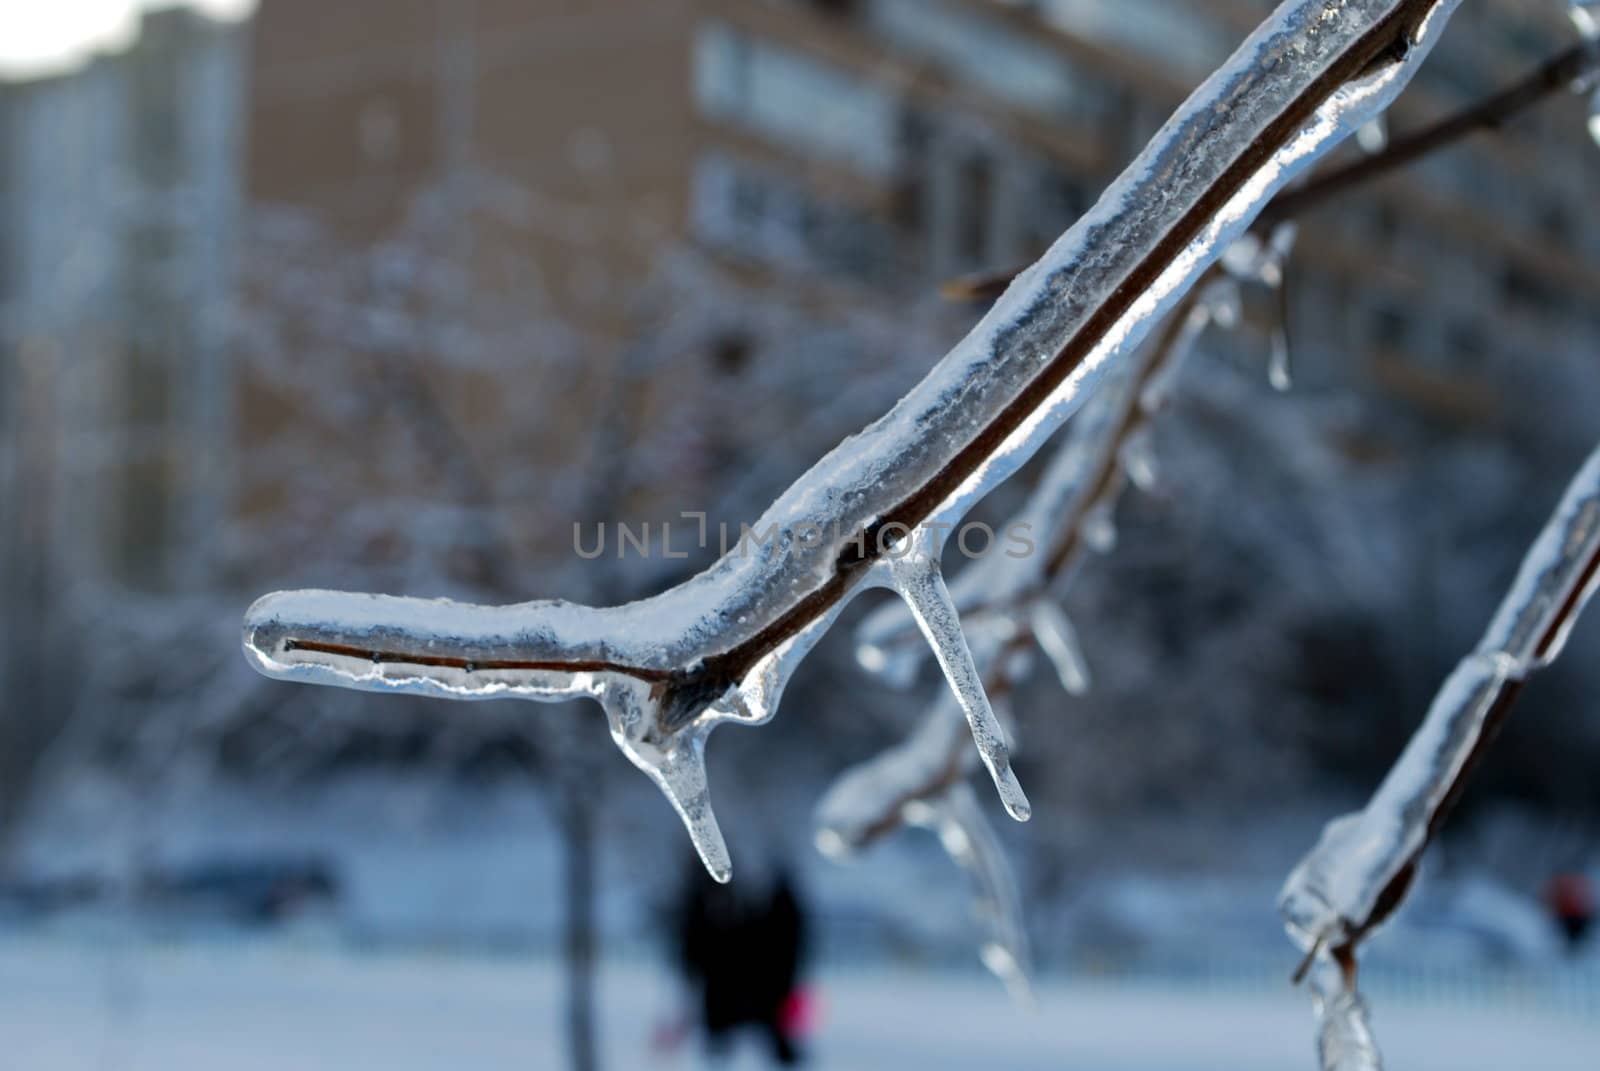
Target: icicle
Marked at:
1138, 460
1585, 15
675, 761
1099, 527
915, 575
1059, 641
1278, 367
1264, 263
867, 800
1217, 304
967, 837
1373, 135
1344, 1031
1226, 305
1274, 274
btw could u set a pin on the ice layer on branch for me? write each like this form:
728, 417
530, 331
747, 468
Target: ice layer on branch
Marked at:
720, 646
922, 782
1345, 1041
1363, 865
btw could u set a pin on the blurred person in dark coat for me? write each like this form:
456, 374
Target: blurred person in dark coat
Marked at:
743, 950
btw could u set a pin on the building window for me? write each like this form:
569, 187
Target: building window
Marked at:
974, 201
754, 212
796, 100
1057, 203
1177, 32
997, 60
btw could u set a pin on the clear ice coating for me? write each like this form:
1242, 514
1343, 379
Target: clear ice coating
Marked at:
1059, 642
1585, 15
676, 762
1164, 222
1373, 137
1001, 583
1108, 431
1357, 874
916, 576
967, 838
922, 782
868, 800
1265, 263
1345, 1041
1006, 595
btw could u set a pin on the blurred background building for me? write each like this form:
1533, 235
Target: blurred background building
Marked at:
389, 294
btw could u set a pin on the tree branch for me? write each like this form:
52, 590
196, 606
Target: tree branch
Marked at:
1556, 75
720, 646
1361, 869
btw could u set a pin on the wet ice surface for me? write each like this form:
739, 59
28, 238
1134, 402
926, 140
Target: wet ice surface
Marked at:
276, 1006
552, 650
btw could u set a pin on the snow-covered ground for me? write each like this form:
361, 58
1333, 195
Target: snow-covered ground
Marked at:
67, 1005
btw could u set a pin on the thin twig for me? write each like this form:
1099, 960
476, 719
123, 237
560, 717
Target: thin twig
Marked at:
1556, 75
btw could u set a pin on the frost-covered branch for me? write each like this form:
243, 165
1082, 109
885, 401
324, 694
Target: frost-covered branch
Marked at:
1362, 867
720, 647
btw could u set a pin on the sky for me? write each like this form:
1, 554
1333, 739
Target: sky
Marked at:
41, 37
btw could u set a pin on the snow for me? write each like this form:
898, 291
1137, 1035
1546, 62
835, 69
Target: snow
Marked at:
276, 1005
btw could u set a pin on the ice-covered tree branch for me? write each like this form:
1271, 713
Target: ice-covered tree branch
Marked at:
720, 646
1009, 606
1359, 872
1557, 75
1071, 510
1576, 67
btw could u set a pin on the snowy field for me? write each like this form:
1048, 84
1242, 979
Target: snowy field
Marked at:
241, 1006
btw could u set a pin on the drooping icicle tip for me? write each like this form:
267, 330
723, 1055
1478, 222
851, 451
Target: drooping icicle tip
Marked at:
675, 762
918, 580
1373, 135
1345, 1041
1279, 369
1053, 631
971, 843
1585, 15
